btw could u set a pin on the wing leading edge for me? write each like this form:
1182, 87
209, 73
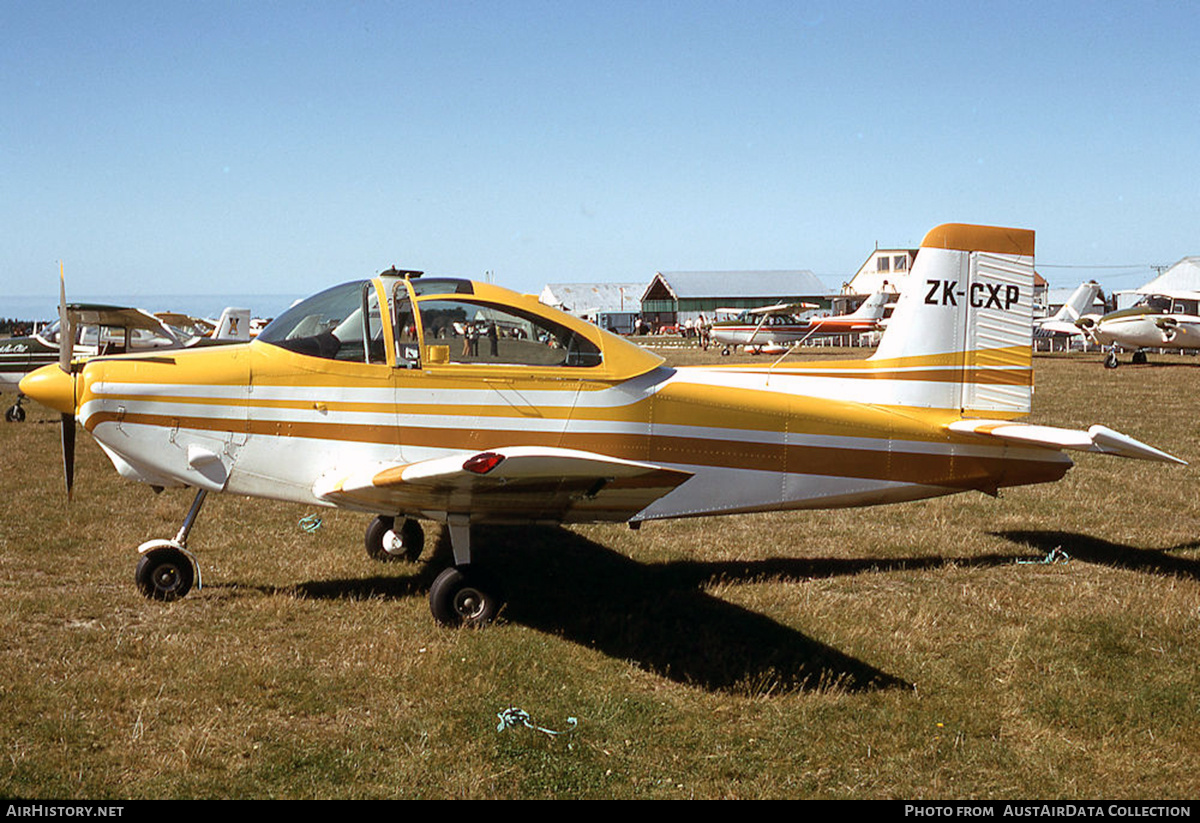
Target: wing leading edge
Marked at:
510, 484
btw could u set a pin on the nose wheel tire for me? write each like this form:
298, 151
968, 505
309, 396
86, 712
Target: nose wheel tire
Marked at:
386, 542
164, 574
465, 596
1111, 362
15, 414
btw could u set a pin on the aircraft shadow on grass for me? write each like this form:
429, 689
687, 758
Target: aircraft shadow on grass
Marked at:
1095, 550
657, 615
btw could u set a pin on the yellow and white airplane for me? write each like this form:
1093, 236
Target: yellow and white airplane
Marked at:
455, 401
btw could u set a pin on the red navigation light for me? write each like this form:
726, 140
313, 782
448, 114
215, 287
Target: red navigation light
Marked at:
483, 462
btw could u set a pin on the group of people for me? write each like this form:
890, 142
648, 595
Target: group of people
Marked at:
698, 328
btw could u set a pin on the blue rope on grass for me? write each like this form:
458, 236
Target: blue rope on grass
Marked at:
311, 523
1056, 555
513, 716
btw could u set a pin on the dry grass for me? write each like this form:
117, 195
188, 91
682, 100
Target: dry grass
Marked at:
903, 651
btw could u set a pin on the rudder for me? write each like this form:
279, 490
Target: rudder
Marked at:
965, 318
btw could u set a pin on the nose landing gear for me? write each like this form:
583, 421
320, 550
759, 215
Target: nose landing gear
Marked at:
167, 569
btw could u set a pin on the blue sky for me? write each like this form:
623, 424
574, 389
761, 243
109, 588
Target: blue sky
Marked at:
258, 147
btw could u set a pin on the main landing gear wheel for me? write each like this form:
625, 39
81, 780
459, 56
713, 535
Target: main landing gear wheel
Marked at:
1139, 358
15, 414
465, 596
385, 542
1111, 362
164, 574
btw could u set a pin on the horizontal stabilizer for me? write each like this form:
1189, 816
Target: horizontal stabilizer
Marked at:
518, 483
1096, 439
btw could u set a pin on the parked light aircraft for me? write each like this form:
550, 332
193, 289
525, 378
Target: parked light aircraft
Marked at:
1159, 321
461, 402
233, 325
100, 329
1065, 321
771, 327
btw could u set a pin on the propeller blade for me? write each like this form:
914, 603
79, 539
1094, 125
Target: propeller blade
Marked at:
66, 334
66, 351
68, 451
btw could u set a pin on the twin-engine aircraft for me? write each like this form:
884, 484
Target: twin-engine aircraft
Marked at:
417, 398
771, 328
1168, 320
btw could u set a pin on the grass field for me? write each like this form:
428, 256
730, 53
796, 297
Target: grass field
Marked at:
922, 650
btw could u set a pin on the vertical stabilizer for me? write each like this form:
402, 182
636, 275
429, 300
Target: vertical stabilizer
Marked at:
872, 308
965, 319
233, 325
1080, 302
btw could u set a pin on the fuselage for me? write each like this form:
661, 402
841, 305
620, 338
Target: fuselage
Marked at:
1146, 327
395, 372
262, 420
21, 355
784, 330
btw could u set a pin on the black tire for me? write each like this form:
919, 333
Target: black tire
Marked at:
1139, 358
164, 574
465, 596
412, 539
1111, 361
725, 352
15, 414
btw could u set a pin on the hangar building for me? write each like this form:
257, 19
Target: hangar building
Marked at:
678, 296
1184, 276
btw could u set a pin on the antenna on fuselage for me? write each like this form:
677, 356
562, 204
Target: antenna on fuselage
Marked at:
410, 274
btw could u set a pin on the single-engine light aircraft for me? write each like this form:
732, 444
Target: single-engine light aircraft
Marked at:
101, 329
771, 328
1158, 321
461, 402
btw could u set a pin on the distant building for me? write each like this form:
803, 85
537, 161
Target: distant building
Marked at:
1184, 276
883, 270
678, 296
887, 270
611, 306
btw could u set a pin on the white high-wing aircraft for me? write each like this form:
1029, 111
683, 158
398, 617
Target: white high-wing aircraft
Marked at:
460, 402
101, 329
776, 326
1168, 320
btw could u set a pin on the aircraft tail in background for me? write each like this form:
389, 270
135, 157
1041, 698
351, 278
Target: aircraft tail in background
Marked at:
233, 325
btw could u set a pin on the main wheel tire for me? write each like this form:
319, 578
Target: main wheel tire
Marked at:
465, 596
164, 574
385, 542
15, 414
1139, 358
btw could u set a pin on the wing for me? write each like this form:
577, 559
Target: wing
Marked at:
94, 314
1096, 439
513, 484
